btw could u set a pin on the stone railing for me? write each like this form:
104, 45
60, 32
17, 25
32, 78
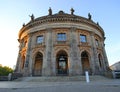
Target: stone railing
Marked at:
83, 44
40, 44
61, 42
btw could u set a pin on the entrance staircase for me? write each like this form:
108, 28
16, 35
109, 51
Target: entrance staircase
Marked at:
61, 78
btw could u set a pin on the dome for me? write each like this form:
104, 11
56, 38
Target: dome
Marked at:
63, 18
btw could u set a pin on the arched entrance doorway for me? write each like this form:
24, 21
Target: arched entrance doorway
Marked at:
62, 63
37, 71
85, 62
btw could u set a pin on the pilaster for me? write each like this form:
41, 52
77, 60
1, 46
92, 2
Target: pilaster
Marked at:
17, 69
106, 65
27, 63
75, 64
46, 70
94, 59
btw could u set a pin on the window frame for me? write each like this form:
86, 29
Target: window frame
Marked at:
83, 40
97, 42
61, 37
39, 39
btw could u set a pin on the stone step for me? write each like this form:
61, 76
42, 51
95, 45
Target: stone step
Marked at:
60, 78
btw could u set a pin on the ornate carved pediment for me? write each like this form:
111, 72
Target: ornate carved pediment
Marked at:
84, 44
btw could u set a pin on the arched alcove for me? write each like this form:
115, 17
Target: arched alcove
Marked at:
85, 61
37, 71
23, 62
62, 63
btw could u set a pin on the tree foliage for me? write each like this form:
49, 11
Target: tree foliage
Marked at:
5, 70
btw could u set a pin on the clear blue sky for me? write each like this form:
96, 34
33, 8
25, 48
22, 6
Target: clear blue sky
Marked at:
13, 13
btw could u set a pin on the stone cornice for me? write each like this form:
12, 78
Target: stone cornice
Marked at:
60, 18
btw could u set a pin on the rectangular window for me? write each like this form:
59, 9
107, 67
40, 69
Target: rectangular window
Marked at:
40, 39
97, 43
61, 37
83, 38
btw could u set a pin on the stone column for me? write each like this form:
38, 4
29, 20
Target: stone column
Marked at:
46, 71
31, 57
75, 64
106, 65
53, 64
94, 59
26, 67
53, 56
17, 69
30, 69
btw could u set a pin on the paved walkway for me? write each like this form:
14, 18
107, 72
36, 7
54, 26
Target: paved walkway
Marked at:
79, 86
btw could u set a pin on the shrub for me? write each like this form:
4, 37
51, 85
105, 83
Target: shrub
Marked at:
5, 70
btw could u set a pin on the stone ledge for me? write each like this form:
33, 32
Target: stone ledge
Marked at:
60, 78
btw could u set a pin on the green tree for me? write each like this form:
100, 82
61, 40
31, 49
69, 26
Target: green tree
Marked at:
5, 70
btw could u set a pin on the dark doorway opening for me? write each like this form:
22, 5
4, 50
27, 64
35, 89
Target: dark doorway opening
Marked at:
62, 63
37, 71
85, 62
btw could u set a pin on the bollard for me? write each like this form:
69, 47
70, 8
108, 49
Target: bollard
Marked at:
87, 76
9, 76
114, 75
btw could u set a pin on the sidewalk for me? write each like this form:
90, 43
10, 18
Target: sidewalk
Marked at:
111, 85
12, 84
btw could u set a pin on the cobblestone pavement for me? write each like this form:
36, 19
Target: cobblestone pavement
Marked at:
79, 86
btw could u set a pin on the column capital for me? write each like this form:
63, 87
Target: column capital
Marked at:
72, 29
30, 35
92, 33
49, 30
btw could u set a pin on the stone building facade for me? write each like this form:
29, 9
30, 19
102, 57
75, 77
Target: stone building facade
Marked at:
61, 44
115, 66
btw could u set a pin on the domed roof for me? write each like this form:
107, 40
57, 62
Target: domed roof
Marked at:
59, 17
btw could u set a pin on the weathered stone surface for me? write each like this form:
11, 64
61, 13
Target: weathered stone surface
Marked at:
64, 55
